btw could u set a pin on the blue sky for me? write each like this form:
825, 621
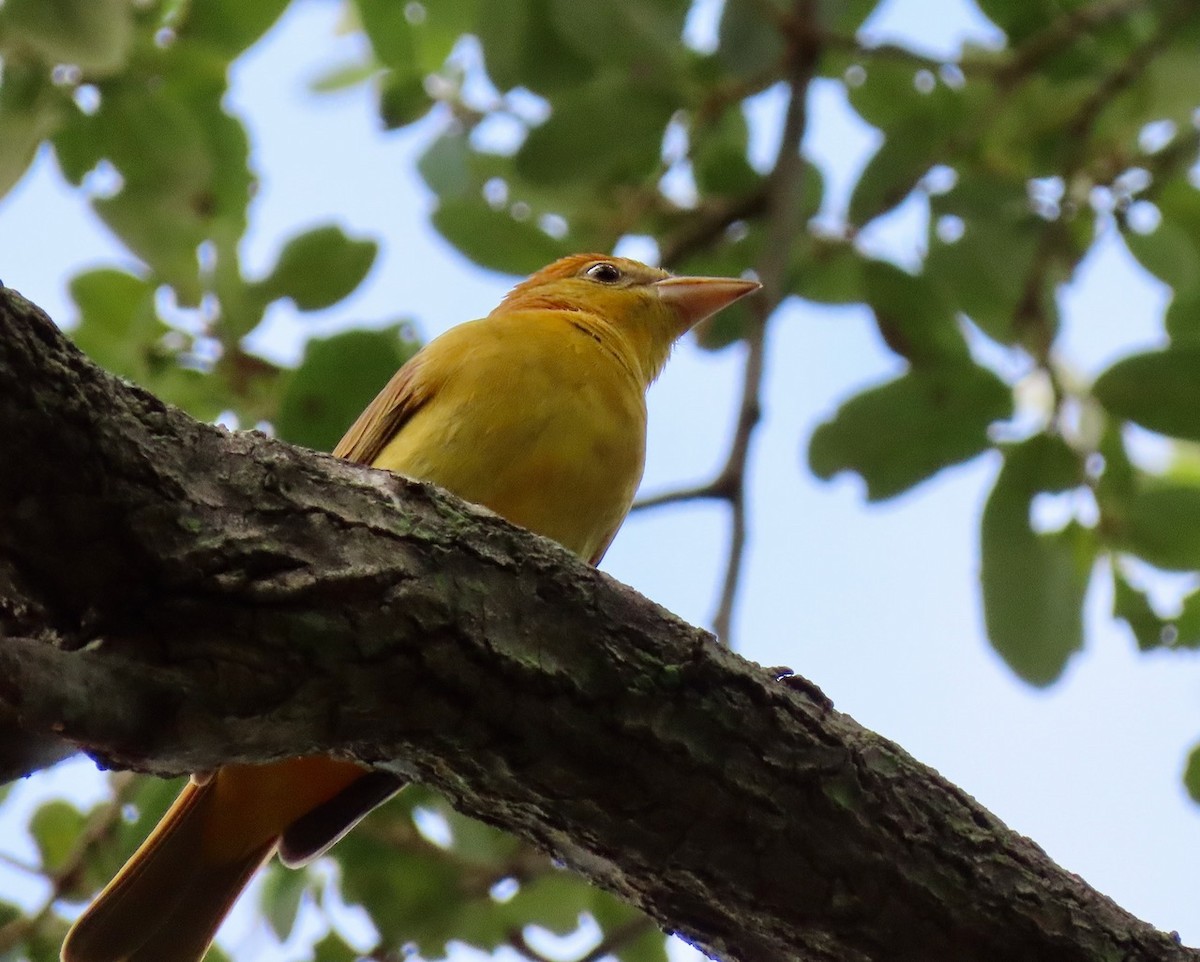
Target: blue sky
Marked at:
878, 605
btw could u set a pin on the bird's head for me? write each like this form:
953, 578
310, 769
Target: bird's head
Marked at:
646, 306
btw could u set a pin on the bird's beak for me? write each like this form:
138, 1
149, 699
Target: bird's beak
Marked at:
695, 298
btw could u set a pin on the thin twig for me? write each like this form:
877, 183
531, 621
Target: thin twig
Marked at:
733, 477
778, 200
783, 224
15, 863
701, 492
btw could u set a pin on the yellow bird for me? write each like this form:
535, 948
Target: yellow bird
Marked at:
536, 411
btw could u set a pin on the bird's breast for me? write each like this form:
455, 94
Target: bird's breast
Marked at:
551, 437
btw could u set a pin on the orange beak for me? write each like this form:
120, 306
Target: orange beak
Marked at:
695, 298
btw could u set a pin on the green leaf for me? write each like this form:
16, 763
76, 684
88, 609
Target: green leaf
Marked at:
614, 917
1118, 481
900, 433
55, 828
77, 145
1159, 390
749, 42
886, 92
1183, 317
916, 133
415, 38
827, 271
1163, 92
496, 239
94, 35
337, 378
912, 316
719, 159
1171, 252
390, 32
118, 325
477, 843
163, 230
1191, 774
1032, 128
598, 134
402, 99
844, 16
1133, 607
984, 273
554, 900
149, 801
9, 913
30, 111
502, 31
1161, 524
411, 897
1151, 629
120, 330
333, 948
1168, 89
1020, 20
446, 165
109, 849
281, 893
318, 268
1034, 583
42, 944
343, 77
183, 161
505, 232
230, 26
523, 48
646, 42
116, 316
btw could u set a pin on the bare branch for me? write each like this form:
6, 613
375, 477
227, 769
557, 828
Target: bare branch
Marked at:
782, 227
208, 597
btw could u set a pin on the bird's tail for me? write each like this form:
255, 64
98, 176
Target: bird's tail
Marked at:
166, 904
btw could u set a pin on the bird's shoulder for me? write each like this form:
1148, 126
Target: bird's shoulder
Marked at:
480, 356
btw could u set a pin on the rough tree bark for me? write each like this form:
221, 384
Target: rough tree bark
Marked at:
173, 596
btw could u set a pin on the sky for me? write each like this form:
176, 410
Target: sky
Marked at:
877, 604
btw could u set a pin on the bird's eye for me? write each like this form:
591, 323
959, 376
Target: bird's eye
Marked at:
604, 272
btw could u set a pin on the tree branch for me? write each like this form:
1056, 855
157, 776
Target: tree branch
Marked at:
174, 597
781, 202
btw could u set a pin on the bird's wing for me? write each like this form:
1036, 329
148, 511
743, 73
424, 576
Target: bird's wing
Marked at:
400, 399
